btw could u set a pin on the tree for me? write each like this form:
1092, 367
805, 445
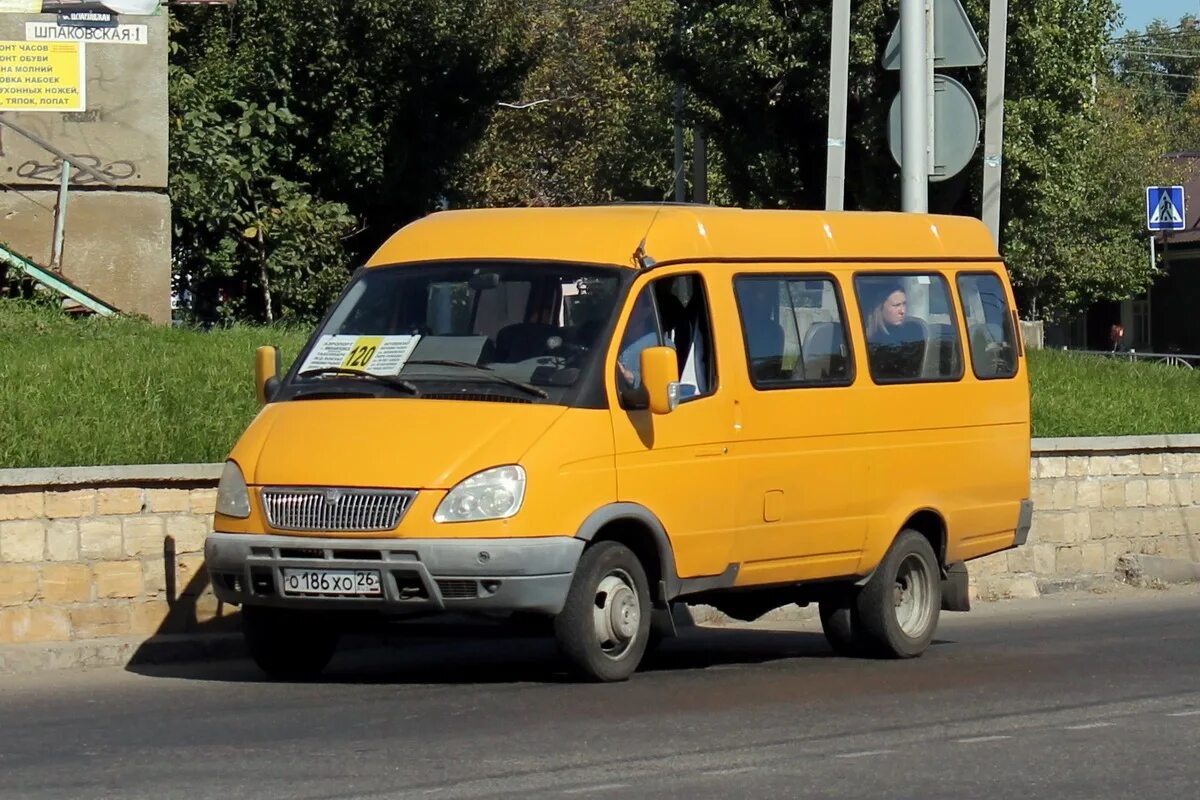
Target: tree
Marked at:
590, 123
759, 72
294, 122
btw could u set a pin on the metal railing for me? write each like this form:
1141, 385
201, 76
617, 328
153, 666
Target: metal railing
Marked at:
1186, 360
50, 277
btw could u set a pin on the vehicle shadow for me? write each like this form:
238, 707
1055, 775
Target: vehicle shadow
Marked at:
437, 650
481, 653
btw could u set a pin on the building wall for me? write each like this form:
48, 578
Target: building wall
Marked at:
117, 244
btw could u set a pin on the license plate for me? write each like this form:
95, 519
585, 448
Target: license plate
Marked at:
337, 582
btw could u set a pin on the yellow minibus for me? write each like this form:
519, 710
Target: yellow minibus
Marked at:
590, 415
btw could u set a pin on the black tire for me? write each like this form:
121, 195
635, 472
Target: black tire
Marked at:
288, 645
909, 573
837, 621
579, 629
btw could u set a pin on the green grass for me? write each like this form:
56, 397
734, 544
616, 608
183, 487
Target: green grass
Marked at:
95, 391
98, 391
1080, 395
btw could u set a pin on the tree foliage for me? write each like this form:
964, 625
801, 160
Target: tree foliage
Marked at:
356, 117
589, 124
303, 134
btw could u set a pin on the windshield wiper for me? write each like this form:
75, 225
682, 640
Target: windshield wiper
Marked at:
488, 371
395, 383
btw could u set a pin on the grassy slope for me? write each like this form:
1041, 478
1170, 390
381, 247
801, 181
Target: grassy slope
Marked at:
1075, 395
124, 392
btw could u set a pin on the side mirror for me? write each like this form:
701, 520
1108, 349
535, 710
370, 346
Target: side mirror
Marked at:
660, 377
266, 373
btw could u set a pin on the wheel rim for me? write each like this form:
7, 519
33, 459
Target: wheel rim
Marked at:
913, 592
616, 614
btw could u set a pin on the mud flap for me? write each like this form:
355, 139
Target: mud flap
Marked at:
662, 618
955, 594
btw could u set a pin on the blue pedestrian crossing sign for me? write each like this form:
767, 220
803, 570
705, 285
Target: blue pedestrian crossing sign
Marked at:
1165, 208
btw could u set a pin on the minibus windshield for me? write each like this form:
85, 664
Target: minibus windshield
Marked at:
473, 330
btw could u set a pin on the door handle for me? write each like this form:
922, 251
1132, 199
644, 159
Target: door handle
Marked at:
706, 452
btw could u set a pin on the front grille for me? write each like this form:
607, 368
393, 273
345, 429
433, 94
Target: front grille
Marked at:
457, 589
355, 510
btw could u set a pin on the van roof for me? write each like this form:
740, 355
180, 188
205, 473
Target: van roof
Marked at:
611, 235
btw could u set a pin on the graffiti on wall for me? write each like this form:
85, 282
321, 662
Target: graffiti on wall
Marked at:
50, 171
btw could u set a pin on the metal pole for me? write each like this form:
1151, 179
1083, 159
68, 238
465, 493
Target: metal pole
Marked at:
993, 140
680, 184
700, 165
930, 107
60, 217
914, 177
839, 80
1153, 255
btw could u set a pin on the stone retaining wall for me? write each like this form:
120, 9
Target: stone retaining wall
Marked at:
93, 553
98, 553
1097, 499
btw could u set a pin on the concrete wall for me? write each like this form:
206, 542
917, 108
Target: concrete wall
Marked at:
117, 242
102, 553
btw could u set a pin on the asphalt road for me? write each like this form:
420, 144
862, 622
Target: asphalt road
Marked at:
1070, 697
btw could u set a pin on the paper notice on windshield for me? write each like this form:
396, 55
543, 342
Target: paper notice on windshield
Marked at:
379, 355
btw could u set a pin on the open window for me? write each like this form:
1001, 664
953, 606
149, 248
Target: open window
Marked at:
674, 312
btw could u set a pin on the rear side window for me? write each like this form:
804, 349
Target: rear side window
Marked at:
910, 328
794, 331
989, 325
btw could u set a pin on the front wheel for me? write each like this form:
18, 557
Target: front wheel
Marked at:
604, 626
897, 611
288, 645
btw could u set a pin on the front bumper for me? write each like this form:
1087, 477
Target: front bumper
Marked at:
418, 576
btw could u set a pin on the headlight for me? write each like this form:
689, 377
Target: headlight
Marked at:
495, 493
233, 500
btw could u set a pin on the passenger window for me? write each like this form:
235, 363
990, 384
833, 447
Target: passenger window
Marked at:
794, 331
910, 328
672, 312
989, 326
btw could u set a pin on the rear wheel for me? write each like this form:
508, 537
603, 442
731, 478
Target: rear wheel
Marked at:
897, 611
288, 645
837, 621
604, 626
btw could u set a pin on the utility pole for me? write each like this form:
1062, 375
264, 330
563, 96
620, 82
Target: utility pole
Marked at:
839, 80
699, 165
993, 144
680, 182
914, 170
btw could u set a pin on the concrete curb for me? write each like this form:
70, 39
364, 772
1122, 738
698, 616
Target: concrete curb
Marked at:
1143, 570
144, 475
1088, 445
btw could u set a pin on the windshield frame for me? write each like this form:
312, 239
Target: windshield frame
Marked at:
588, 390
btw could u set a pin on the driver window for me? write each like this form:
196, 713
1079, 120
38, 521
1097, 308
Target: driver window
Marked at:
672, 312
683, 311
641, 331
